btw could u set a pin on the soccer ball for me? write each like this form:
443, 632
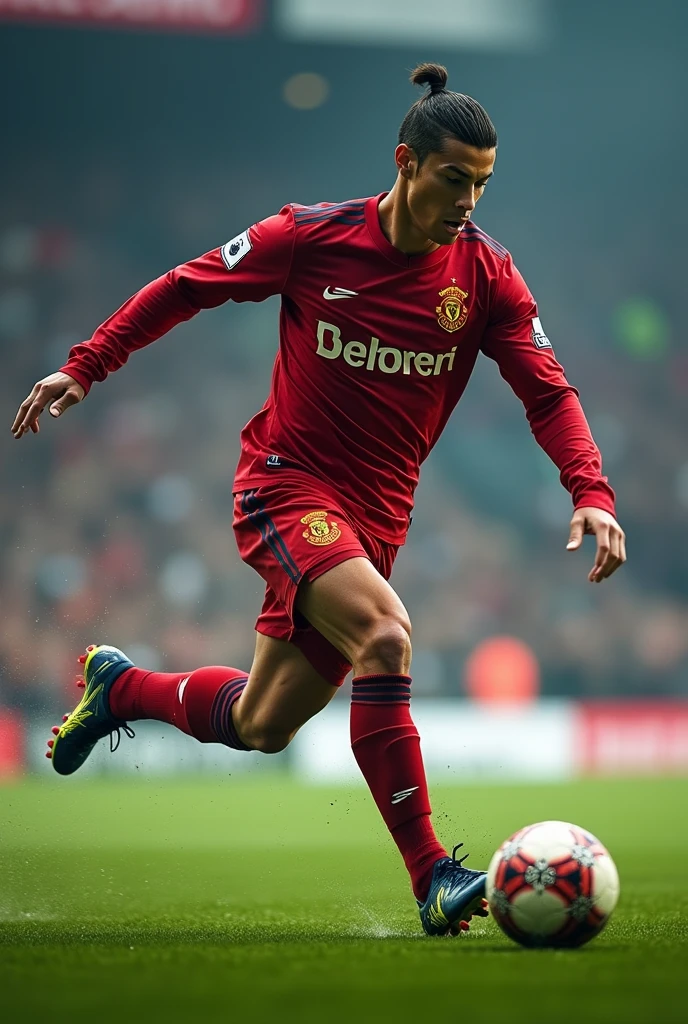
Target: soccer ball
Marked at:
552, 884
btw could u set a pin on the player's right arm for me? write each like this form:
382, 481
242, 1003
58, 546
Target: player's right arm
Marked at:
248, 268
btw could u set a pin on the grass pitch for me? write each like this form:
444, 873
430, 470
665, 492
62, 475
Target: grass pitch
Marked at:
267, 901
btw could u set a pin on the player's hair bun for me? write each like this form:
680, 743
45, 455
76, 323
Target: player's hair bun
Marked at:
434, 75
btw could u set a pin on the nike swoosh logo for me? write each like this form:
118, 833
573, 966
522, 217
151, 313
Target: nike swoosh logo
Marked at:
403, 794
182, 687
339, 293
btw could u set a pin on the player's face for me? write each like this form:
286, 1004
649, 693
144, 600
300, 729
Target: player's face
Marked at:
442, 193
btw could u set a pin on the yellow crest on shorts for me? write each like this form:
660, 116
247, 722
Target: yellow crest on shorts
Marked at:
319, 530
452, 312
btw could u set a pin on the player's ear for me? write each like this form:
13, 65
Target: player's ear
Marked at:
406, 160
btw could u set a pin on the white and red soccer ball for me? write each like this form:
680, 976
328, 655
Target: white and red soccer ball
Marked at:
552, 884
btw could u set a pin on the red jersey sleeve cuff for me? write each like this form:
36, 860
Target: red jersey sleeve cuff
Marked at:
598, 497
78, 375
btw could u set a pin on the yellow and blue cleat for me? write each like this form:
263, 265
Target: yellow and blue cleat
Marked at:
91, 719
456, 895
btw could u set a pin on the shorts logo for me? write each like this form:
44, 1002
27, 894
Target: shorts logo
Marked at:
452, 311
319, 530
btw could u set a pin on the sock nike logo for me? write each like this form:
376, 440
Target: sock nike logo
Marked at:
182, 687
403, 794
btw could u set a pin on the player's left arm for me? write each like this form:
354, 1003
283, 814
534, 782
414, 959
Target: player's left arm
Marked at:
516, 341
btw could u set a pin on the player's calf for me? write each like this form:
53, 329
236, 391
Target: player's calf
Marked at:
283, 691
264, 737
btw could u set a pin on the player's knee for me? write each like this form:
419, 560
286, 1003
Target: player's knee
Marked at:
385, 647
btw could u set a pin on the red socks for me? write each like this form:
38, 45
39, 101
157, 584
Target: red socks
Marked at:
386, 746
199, 703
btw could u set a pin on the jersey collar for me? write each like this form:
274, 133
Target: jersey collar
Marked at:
389, 251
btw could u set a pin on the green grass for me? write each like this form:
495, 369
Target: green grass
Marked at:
256, 901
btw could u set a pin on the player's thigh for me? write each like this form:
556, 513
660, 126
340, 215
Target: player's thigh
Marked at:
283, 691
354, 607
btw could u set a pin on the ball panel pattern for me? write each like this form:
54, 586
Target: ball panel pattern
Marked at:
552, 884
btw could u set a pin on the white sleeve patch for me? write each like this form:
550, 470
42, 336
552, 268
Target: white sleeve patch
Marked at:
235, 249
540, 339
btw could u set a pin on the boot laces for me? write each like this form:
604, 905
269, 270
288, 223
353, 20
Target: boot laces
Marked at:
115, 736
460, 861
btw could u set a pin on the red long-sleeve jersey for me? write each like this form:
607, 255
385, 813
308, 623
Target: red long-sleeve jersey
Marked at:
376, 348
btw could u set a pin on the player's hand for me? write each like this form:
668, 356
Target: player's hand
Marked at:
611, 540
58, 391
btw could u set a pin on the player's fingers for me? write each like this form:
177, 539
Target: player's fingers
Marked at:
31, 415
602, 554
609, 561
70, 397
617, 552
21, 413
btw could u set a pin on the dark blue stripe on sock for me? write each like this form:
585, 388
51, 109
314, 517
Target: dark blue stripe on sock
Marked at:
227, 694
221, 713
222, 710
399, 690
381, 678
372, 685
380, 689
380, 698
226, 697
388, 698
255, 511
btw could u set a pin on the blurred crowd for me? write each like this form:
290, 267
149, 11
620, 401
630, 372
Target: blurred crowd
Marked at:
115, 522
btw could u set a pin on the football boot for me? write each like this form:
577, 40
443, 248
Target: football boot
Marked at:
91, 719
456, 894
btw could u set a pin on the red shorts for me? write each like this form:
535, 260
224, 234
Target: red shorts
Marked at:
293, 531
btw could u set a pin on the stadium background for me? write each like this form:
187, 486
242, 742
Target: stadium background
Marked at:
126, 152
135, 134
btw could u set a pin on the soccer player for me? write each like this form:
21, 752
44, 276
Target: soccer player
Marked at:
386, 304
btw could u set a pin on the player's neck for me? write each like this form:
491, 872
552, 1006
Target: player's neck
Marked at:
399, 229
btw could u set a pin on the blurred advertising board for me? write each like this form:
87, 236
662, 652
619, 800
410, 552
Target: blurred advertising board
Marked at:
226, 16
632, 738
544, 741
459, 739
486, 25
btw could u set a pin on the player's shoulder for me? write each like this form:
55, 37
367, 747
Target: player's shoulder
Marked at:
306, 226
323, 216
472, 234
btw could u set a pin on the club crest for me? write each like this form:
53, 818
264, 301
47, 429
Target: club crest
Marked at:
452, 311
319, 531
